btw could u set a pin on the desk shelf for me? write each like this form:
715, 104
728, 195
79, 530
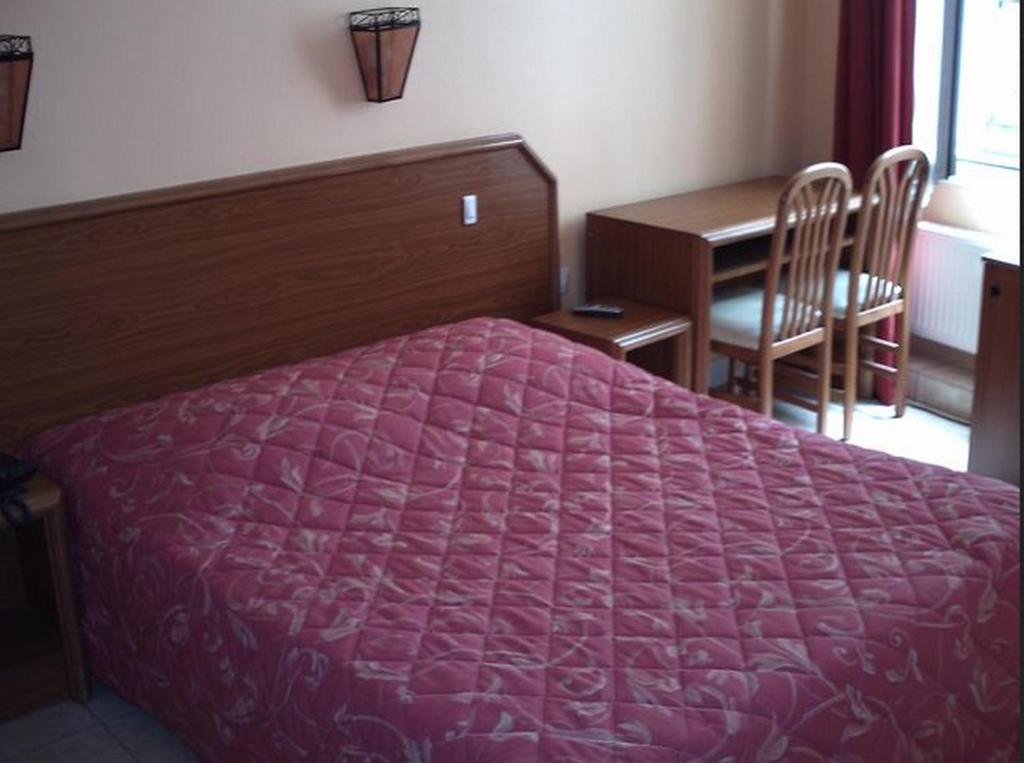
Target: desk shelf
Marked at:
740, 259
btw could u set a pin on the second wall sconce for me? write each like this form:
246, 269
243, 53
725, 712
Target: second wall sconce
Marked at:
15, 71
385, 39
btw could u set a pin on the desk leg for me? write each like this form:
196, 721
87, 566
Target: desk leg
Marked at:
67, 611
682, 360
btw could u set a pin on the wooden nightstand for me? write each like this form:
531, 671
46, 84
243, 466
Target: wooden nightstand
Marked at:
639, 326
41, 658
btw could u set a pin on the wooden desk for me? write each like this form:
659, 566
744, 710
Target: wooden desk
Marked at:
995, 419
670, 252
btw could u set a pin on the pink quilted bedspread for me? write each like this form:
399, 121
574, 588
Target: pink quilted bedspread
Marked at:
482, 542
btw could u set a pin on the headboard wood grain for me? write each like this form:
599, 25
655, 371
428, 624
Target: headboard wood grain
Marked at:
118, 300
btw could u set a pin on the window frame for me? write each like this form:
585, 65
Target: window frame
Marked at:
944, 167
945, 151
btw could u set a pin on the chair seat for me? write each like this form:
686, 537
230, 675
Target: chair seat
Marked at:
736, 316
841, 292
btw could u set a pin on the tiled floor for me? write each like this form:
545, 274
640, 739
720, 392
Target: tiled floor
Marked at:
920, 434
109, 730
106, 730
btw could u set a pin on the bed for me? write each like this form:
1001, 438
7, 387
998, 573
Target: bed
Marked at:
471, 540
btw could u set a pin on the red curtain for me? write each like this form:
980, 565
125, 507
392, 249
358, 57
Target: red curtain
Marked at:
874, 106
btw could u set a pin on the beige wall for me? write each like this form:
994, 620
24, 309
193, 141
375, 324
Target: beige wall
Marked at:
623, 99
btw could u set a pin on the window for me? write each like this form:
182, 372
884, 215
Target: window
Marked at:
979, 100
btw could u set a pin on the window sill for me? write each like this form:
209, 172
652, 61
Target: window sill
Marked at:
980, 177
989, 204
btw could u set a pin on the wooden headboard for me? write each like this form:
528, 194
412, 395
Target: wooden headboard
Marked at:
118, 300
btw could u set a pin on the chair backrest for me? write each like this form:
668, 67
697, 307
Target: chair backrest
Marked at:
809, 227
883, 243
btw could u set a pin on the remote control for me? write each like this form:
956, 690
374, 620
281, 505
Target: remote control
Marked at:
596, 310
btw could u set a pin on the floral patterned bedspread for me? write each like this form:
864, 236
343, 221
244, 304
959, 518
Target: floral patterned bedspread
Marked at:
482, 542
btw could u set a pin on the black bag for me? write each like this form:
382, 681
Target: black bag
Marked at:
13, 474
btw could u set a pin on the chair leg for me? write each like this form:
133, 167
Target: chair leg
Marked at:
765, 374
824, 381
851, 364
902, 363
730, 376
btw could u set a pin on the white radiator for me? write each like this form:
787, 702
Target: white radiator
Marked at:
945, 285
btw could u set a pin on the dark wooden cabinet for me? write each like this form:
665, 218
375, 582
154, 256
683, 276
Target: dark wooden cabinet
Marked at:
995, 419
41, 657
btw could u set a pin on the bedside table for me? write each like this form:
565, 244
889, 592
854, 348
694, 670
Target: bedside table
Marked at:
639, 326
41, 657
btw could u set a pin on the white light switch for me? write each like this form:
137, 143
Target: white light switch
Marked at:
469, 209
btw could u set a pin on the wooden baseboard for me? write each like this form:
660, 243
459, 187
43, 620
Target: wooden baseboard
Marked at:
942, 353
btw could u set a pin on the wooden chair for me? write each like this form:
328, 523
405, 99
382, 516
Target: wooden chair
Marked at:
883, 243
760, 325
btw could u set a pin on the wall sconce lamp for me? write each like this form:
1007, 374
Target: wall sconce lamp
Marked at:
384, 39
15, 70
